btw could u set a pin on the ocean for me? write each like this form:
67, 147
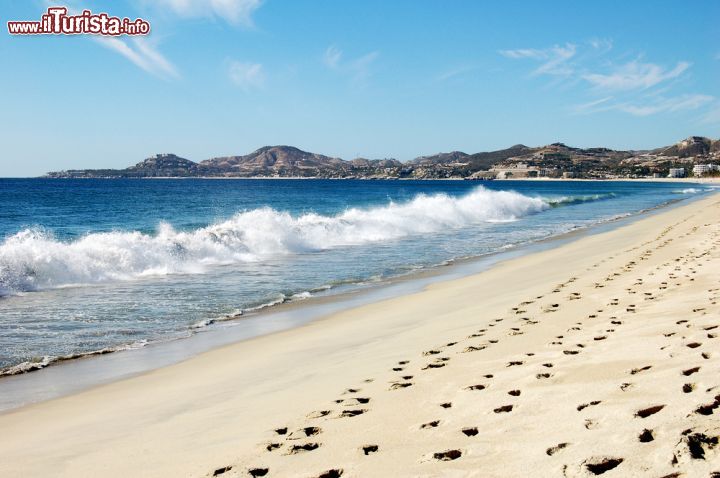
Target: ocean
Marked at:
93, 266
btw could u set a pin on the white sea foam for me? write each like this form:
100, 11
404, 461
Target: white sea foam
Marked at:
33, 259
687, 191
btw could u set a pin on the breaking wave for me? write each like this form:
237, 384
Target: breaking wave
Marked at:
570, 200
33, 259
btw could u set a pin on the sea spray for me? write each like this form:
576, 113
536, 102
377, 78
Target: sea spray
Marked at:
34, 259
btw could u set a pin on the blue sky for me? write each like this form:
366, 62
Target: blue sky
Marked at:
373, 78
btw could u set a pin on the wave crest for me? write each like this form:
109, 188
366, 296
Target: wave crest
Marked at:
34, 259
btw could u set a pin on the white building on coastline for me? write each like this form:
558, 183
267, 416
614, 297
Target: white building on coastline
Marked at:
700, 169
676, 173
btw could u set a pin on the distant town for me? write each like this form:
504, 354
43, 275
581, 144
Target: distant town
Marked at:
695, 156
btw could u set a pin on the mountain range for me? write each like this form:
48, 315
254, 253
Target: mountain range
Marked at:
552, 160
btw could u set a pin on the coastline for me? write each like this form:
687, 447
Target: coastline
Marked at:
213, 409
706, 180
73, 373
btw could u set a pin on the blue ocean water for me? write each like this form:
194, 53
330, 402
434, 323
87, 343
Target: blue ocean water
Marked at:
89, 265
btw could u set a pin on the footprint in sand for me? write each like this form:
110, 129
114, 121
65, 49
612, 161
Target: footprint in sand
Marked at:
591, 424
434, 365
646, 436
295, 449
400, 385
447, 455
356, 401
646, 412
432, 424
598, 466
304, 433
352, 413
554, 449
317, 414
585, 405
257, 472
476, 387
367, 449
222, 470
335, 473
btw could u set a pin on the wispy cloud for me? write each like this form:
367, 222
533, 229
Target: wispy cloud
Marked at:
237, 12
634, 87
649, 105
593, 106
332, 56
660, 105
554, 60
142, 54
601, 44
138, 50
247, 76
454, 73
360, 66
357, 68
635, 75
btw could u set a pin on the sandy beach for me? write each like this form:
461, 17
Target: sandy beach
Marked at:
596, 357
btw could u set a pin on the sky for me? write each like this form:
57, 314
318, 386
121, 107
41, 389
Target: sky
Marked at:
374, 79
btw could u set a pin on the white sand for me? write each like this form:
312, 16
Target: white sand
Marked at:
642, 298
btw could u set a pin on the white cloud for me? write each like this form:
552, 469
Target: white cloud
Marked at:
602, 44
593, 106
649, 105
524, 53
136, 49
636, 88
332, 56
142, 54
357, 68
678, 103
361, 64
554, 59
450, 74
247, 76
232, 11
635, 75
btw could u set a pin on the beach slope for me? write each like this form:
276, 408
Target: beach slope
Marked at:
597, 357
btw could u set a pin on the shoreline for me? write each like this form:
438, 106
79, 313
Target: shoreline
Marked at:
219, 408
104, 366
706, 180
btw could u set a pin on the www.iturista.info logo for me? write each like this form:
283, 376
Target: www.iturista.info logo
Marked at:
56, 21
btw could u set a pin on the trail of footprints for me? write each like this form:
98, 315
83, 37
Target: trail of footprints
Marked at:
599, 326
